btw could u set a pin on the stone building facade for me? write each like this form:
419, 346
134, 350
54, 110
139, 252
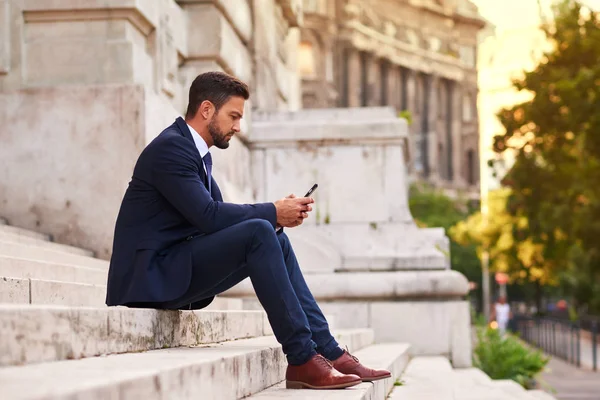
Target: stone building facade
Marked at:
415, 55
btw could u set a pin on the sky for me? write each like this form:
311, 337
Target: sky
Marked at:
515, 44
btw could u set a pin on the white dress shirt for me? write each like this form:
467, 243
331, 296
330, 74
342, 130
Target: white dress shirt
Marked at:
200, 144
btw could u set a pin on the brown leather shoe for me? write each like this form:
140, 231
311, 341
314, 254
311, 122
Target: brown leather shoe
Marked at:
348, 364
318, 373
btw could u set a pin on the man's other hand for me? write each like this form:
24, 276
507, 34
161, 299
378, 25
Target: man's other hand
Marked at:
292, 210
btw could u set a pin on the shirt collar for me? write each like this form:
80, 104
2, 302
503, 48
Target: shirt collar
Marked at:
199, 142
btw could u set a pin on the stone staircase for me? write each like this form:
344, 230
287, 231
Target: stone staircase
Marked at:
59, 341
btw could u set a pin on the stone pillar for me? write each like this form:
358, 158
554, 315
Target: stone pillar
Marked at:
449, 127
354, 78
272, 21
455, 94
424, 146
374, 82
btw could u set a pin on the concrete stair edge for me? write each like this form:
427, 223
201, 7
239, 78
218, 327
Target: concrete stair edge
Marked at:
153, 375
23, 268
244, 367
391, 356
35, 252
12, 234
42, 291
33, 334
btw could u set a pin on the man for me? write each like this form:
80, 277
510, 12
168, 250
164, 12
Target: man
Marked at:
177, 244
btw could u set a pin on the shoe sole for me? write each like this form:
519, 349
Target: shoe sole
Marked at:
302, 385
376, 379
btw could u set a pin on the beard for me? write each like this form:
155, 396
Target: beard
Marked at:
219, 138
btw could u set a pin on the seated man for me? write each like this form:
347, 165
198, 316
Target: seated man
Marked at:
177, 244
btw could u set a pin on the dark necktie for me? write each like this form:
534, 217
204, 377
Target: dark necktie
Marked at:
208, 163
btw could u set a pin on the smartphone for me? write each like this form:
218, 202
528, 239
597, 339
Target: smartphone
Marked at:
312, 189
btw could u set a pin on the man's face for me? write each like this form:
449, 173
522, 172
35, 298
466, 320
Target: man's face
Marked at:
226, 122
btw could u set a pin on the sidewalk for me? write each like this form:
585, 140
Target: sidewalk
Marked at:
570, 382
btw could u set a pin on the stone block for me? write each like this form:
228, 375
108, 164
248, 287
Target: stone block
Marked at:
365, 286
215, 39
67, 293
237, 12
13, 290
431, 327
93, 135
315, 253
24, 269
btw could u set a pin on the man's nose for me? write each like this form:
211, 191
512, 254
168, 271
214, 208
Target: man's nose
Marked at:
236, 127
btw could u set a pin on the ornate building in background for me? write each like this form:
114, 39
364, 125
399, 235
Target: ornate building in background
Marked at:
418, 56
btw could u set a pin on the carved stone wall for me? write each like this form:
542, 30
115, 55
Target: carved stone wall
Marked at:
433, 43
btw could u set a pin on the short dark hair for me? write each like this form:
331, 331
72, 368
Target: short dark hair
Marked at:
216, 87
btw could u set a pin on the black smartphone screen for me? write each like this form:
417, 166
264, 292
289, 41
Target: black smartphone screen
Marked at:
312, 189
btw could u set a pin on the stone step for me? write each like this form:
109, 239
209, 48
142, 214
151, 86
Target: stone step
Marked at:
30, 334
230, 370
15, 234
16, 231
539, 395
24, 268
34, 252
224, 303
432, 378
510, 387
39, 291
391, 356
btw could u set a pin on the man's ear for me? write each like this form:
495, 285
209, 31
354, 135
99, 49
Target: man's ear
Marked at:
206, 109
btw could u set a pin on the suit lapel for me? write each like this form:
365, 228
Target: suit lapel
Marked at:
185, 131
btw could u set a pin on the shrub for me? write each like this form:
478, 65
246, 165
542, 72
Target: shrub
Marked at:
506, 357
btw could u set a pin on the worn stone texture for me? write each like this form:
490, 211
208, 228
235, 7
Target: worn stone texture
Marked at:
33, 334
56, 196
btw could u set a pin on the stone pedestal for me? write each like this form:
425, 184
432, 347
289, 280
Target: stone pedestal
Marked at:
365, 260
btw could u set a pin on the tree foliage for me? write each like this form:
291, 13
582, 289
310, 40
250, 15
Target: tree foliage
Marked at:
432, 208
553, 201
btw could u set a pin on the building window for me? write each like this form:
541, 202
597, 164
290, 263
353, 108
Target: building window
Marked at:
467, 108
471, 168
306, 60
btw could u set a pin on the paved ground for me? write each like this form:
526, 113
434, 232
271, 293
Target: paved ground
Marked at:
572, 383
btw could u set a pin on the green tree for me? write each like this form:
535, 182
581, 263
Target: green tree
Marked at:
432, 208
519, 257
555, 137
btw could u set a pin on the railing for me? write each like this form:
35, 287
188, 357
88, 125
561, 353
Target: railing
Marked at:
560, 338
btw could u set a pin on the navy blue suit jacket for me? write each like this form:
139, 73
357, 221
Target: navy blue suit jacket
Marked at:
166, 203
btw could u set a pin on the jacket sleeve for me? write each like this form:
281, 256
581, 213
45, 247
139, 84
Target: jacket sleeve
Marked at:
175, 174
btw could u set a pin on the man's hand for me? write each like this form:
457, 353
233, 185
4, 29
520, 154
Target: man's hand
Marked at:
292, 210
